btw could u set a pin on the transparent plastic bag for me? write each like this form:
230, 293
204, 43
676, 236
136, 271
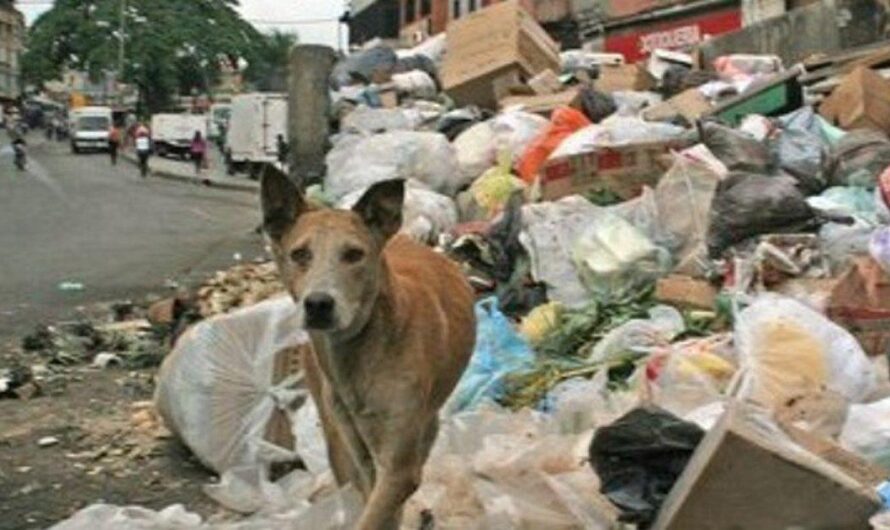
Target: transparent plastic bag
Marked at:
867, 431
640, 336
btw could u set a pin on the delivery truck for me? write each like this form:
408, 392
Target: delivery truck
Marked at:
89, 127
172, 134
255, 123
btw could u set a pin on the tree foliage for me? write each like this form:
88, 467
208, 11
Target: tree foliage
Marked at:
170, 45
268, 69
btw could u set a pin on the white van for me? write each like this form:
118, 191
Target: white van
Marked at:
89, 128
252, 137
171, 134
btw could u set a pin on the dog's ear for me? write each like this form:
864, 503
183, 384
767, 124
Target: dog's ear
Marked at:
381, 208
281, 201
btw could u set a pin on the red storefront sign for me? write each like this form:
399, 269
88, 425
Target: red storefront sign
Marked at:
638, 40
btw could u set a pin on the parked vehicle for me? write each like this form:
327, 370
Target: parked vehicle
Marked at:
88, 127
252, 136
172, 133
218, 121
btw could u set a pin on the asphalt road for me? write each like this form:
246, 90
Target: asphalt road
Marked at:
76, 218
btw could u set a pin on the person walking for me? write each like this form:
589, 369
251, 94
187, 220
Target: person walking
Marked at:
114, 142
198, 151
143, 149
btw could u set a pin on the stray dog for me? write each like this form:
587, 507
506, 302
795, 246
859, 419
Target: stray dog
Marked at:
392, 330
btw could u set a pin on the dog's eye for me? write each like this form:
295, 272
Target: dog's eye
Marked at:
353, 255
301, 256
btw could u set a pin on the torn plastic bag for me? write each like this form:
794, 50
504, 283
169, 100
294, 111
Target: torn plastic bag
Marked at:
683, 199
805, 119
843, 241
617, 130
803, 156
550, 230
424, 157
867, 431
108, 517
373, 65
499, 351
640, 457
216, 390
640, 336
510, 132
737, 150
426, 214
788, 350
747, 205
859, 158
615, 258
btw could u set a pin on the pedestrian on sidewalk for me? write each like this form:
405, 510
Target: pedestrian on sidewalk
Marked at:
114, 142
143, 149
199, 151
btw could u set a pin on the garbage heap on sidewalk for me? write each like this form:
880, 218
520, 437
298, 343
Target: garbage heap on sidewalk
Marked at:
683, 277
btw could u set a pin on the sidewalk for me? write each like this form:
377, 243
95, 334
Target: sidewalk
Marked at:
184, 171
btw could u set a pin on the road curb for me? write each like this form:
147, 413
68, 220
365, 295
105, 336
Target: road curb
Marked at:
249, 187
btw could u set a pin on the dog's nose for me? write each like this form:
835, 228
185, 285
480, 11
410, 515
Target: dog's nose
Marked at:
319, 310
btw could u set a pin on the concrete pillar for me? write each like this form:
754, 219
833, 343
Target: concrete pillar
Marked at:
309, 111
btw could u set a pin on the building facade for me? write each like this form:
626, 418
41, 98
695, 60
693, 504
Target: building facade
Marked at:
12, 34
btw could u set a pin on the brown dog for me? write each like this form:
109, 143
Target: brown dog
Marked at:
392, 327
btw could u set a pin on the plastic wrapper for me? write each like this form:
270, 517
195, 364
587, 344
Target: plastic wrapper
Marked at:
615, 258
737, 150
215, 389
788, 350
550, 230
563, 122
640, 457
509, 132
640, 336
423, 157
499, 352
747, 205
859, 158
867, 431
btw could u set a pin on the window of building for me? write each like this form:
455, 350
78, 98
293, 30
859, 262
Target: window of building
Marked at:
409, 7
471, 6
426, 7
455, 9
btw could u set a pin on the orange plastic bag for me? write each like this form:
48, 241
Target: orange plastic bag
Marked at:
563, 122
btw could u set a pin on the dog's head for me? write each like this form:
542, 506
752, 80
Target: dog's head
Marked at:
330, 260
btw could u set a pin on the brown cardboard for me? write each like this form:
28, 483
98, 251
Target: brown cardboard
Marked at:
862, 100
624, 77
685, 292
690, 104
545, 83
490, 43
544, 104
747, 473
620, 169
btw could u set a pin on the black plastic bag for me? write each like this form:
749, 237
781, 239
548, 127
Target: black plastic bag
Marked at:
746, 205
639, 457
859, 158
803, 156
737, 150
597, 105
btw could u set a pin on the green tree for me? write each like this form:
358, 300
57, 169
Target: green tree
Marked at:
170, 45
268, 70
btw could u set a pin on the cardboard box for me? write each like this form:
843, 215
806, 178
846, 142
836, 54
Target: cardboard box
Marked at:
624, 77
862, 100
483, 46
686, 292
690, 104
545, 83
544, 104
620, 169
748, 473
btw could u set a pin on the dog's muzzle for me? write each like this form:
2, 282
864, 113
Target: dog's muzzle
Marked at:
319, 308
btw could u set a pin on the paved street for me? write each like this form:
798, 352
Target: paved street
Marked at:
78, 219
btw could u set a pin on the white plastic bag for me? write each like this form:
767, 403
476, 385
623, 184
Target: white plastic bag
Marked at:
550, 230
425, 216
215, 388
424, 157
365, 120
640, 336
616, 130
879, 247
867, 431
788, 350
614, 257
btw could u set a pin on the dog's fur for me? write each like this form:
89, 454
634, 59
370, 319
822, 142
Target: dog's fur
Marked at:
392, 329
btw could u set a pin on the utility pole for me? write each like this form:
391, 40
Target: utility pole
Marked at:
120, 49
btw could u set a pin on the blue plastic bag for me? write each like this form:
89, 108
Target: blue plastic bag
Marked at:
499, 351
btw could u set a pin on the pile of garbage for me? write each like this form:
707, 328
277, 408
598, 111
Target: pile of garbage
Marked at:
683, 295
